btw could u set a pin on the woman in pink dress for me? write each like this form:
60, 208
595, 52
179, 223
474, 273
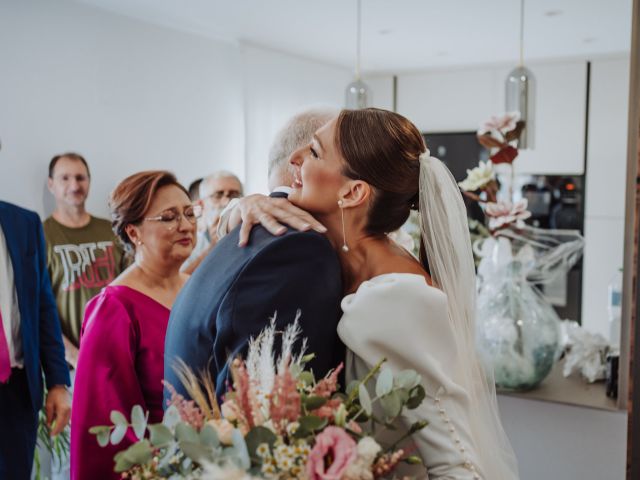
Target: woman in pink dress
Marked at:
122, 339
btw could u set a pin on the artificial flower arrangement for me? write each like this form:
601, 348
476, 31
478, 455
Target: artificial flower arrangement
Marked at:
518, 330
500, 135
276, 422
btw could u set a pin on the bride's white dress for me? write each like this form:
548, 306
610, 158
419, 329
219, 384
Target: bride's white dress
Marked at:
400, 317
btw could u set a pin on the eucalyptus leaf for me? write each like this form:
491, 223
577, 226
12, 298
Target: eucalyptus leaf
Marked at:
118, 418
171, 417
391, 404
307, 358
241, 448
257, 436
196, 451
122, 463
137, 454
209, 436
365, 399
416, 396
384, 383
353, 384
407, 379
103, 438
138, 421
118, 434
159, 435
95, 430
186, 433
312, 423
314, 401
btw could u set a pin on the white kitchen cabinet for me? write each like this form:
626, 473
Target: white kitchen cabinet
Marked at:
560, 103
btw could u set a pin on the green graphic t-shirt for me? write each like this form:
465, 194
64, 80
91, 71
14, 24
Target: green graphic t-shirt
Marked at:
81, 261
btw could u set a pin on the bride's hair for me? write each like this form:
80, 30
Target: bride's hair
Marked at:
382, 148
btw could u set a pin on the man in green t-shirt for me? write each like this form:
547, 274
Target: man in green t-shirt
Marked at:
83, 254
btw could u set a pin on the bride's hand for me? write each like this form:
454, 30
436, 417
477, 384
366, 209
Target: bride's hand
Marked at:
273, 214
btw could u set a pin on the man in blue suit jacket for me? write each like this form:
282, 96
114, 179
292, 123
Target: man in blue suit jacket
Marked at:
235, 291
32, 339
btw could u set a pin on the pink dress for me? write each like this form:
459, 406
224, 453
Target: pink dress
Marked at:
120, 365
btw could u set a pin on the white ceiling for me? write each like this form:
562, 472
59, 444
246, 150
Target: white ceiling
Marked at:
399, 35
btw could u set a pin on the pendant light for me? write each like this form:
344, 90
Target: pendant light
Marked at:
520, 92
358, 93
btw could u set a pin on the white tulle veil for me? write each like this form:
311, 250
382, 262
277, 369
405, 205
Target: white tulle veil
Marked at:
445, 233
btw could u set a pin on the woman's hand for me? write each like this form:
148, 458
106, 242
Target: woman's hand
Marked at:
273, 214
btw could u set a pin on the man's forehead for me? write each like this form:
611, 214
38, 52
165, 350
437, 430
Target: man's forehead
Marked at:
222, 183
69, 165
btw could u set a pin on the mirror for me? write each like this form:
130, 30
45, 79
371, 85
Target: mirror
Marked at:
129, 89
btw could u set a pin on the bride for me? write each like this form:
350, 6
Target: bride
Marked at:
361, 175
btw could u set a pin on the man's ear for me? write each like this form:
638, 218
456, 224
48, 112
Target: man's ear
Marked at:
355, 193
50, 184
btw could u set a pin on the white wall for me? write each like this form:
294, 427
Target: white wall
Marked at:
276, 87
127, 95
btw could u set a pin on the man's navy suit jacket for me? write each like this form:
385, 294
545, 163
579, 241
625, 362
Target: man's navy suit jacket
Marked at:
233, 293
42, 345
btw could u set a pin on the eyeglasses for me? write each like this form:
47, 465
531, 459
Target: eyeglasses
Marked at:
220, 194
171, 218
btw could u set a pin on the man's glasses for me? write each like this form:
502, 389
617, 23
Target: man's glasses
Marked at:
171, 218
220, 194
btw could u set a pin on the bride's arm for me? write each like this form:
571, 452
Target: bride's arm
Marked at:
272, 213
405, 321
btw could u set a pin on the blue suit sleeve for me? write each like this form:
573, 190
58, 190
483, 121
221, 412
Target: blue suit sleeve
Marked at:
298, 272
51, 346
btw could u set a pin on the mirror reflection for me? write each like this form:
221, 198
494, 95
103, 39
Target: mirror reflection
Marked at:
94, 91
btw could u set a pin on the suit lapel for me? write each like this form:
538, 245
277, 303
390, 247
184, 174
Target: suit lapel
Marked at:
10, 231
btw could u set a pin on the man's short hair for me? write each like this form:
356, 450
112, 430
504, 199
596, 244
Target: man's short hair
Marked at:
71, 156
215, 176
296, 133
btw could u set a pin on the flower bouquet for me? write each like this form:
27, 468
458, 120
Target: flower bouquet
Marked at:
517, 329
276, 422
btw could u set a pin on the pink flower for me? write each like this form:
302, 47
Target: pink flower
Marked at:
335, 448
503, 213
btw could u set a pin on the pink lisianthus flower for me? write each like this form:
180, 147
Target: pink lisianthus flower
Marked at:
503, 123
335, 444
503, 213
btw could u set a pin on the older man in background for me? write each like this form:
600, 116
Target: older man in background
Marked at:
216, 191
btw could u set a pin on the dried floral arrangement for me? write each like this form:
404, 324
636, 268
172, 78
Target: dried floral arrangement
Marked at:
276, 422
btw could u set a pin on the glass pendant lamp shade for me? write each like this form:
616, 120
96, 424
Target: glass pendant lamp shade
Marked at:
520, 97
357, 95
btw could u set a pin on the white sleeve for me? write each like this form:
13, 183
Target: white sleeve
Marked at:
401, 318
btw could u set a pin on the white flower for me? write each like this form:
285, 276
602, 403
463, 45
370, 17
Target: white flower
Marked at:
503, 213
229, 471
367, 449
478, 177
503, 124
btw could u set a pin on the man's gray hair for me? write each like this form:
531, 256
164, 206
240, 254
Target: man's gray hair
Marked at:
215, 176
296, 133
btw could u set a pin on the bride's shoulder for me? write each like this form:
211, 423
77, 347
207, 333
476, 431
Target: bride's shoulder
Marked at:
395, 291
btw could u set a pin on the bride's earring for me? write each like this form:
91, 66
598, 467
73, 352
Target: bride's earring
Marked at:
345, 248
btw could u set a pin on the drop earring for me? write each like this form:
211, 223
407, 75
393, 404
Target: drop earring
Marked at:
345, 247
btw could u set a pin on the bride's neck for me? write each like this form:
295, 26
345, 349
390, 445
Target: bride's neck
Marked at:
361, 262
